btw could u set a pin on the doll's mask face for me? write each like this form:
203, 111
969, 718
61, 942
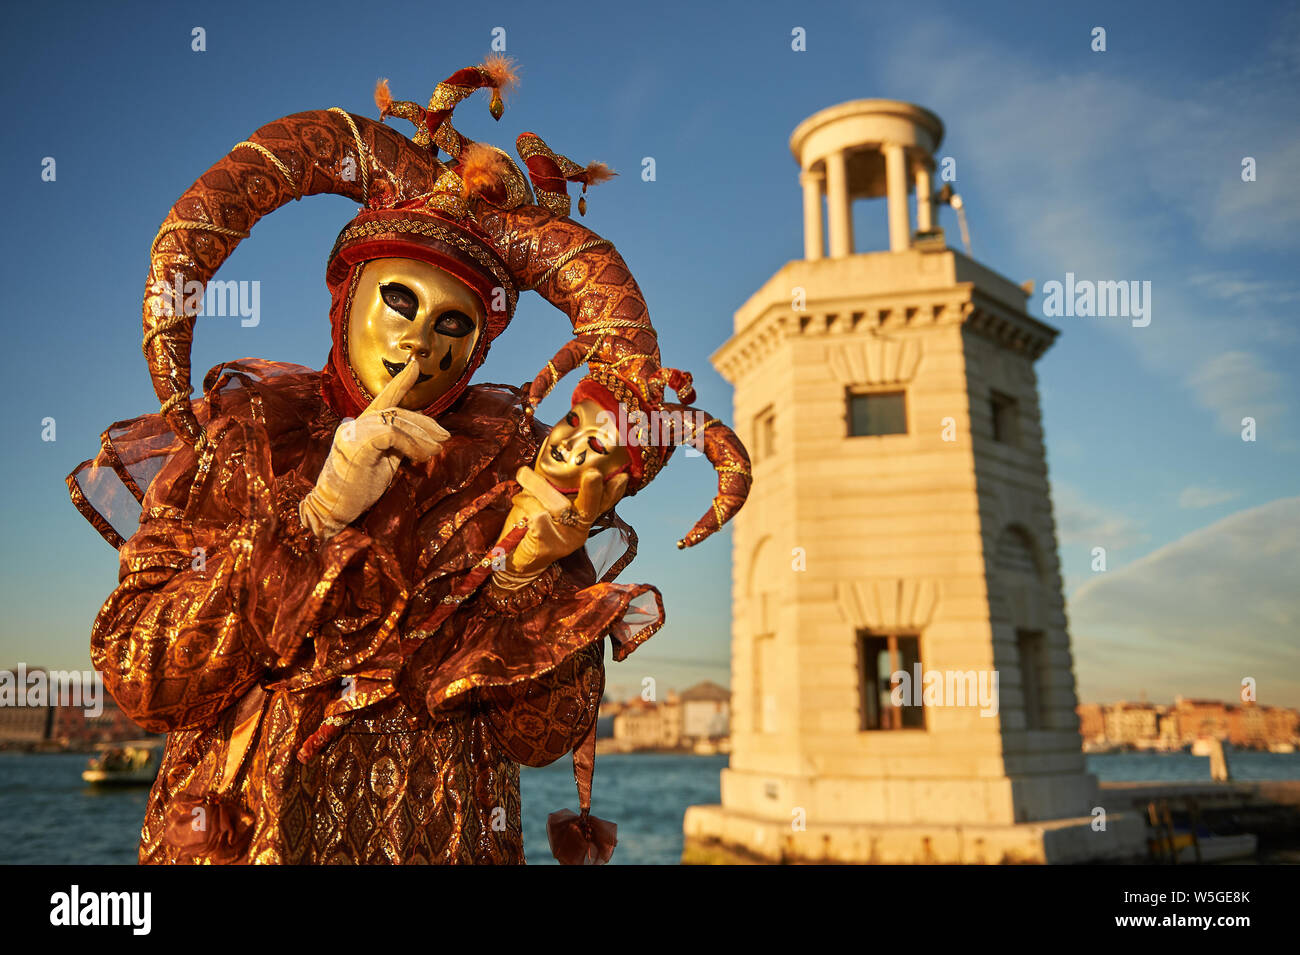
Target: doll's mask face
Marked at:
585, 438
404, 307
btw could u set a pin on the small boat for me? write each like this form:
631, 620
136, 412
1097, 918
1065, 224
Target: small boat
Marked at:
132, 763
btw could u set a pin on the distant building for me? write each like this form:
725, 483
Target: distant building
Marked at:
1201, 718
74, 728
1092, 721
1132, 723
61, 721
644, 724
706, 711
25, 724
1283, 724
1175, 726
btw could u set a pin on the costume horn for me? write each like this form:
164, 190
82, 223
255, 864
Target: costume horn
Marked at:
584, 276
320, 152
730, 459
550, 171
578, 272
329, 152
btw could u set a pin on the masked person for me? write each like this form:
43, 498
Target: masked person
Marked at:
353, 598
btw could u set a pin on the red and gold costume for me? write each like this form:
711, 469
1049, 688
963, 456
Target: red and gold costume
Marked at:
369, 697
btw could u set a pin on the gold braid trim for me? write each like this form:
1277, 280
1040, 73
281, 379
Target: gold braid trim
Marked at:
173, 401
163, 327
565, 259
363, 155
193, 224
625, 358
600, 339
274, 160
413, 113
702, 428
180, 318
423, 227
605, 326
447, 138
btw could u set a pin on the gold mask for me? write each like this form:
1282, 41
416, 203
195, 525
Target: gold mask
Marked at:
587, 437
404, 307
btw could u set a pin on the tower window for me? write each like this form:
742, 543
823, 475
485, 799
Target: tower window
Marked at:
1033, 666
765, 433
1006, 418
877, 413
879, 658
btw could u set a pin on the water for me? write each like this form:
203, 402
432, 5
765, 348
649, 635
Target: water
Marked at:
48, 815
645, 793
1246, 766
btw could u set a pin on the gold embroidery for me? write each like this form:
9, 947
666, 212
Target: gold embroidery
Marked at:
274, 160
433, 230
565, 259
616, 323
199, 226
363, 154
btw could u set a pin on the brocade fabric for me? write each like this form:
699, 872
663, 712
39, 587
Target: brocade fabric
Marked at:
323, 690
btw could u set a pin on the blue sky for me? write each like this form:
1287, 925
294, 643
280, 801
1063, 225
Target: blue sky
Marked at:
1119, 165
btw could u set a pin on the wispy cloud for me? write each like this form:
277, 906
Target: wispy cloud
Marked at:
1081, 521
1094, 171
1195, 498
1237, 385
1198, 615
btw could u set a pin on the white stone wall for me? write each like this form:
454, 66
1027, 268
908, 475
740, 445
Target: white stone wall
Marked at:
896, 532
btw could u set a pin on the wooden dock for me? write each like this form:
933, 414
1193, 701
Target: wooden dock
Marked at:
1213, 821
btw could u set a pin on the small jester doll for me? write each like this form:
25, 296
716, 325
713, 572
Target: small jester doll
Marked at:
358, 599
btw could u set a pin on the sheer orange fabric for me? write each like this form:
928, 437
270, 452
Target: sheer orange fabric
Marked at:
386, 727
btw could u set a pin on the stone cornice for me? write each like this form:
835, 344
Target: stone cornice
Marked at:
1014, 330
869, 316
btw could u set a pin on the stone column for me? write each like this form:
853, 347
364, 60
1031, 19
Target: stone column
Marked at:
924, 190
811, 180
900, 228
838, 205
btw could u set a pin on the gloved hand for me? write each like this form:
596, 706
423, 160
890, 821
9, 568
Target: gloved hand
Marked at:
557, 526
366, 455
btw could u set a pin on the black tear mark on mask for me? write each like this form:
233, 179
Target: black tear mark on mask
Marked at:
446, 361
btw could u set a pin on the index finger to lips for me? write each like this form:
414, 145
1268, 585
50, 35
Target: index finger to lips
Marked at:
393, 392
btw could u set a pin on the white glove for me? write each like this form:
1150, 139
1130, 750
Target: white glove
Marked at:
366, 455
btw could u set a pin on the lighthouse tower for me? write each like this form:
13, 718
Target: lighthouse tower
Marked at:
902, 680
